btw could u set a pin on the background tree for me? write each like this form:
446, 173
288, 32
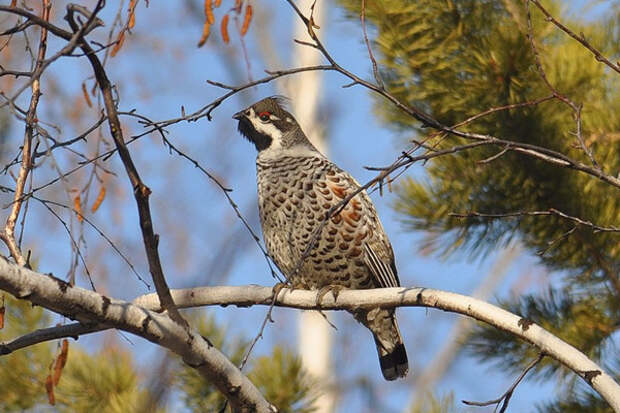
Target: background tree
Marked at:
79, 221
458, 59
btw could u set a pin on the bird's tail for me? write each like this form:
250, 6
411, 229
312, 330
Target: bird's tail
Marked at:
392, 355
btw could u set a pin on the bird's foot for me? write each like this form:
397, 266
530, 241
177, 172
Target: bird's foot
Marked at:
279, 287
334, 289
291, 286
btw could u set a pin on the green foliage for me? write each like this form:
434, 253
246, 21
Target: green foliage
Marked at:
434, 404
199, 395
281, 379
458, 58
279, 376
104, 382
108, 381
23, 372
583, 321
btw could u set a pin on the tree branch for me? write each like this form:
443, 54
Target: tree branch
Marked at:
546, 342
550, 211
246, 296
90, 307
505, 398
140, 190
8, 235
581, 39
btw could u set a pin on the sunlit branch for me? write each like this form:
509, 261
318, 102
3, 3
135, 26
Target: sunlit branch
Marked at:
140, 190
580, 38
504, 399
551, 211
92, 308
8, 235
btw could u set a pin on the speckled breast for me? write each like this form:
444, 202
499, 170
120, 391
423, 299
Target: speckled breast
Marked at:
295, 195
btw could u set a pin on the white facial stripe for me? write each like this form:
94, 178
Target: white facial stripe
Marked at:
267, 128
273, 117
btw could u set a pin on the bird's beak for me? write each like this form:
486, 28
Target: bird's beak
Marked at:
239, 115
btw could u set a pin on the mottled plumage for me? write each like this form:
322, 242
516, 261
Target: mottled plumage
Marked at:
297, 186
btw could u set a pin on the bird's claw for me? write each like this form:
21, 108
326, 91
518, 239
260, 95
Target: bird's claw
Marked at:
279, 287
334, 289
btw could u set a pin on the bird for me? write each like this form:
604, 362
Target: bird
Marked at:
297, 188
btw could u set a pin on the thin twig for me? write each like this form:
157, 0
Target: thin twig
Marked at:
550, 211
505, 398
563, 98
140, 190
554, 241
597, 54
26, 164
226, 191
375, 70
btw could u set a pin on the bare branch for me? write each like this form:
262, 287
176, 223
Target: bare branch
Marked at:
8, 235
73, 330
534, 151
597, 54
375, 70
140, 190
226, 191
350, 300
25, 284
505, 398
550, 211
575, 107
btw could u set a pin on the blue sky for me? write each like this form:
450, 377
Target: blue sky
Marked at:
158, 70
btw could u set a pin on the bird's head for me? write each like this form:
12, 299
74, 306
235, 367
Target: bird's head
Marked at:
270, 127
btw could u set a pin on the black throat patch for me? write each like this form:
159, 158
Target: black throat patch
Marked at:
260, 140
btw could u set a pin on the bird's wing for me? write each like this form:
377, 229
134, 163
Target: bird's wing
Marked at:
377, 250
384, 274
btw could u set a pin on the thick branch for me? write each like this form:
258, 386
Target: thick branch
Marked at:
546, 342
90, 307
245, 296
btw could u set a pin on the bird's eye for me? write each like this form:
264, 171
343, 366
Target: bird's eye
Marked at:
264, 116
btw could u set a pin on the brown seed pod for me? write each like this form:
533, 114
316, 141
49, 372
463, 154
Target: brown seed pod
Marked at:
206, 28
246, 20
132, 14
86, 97
209, 11
119, 43
49, 387
61, 361
99, 200
77, 205
224, 28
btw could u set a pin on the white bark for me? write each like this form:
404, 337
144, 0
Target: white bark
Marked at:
139, 318
87, 306
426, 379
495, 316
315, 335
